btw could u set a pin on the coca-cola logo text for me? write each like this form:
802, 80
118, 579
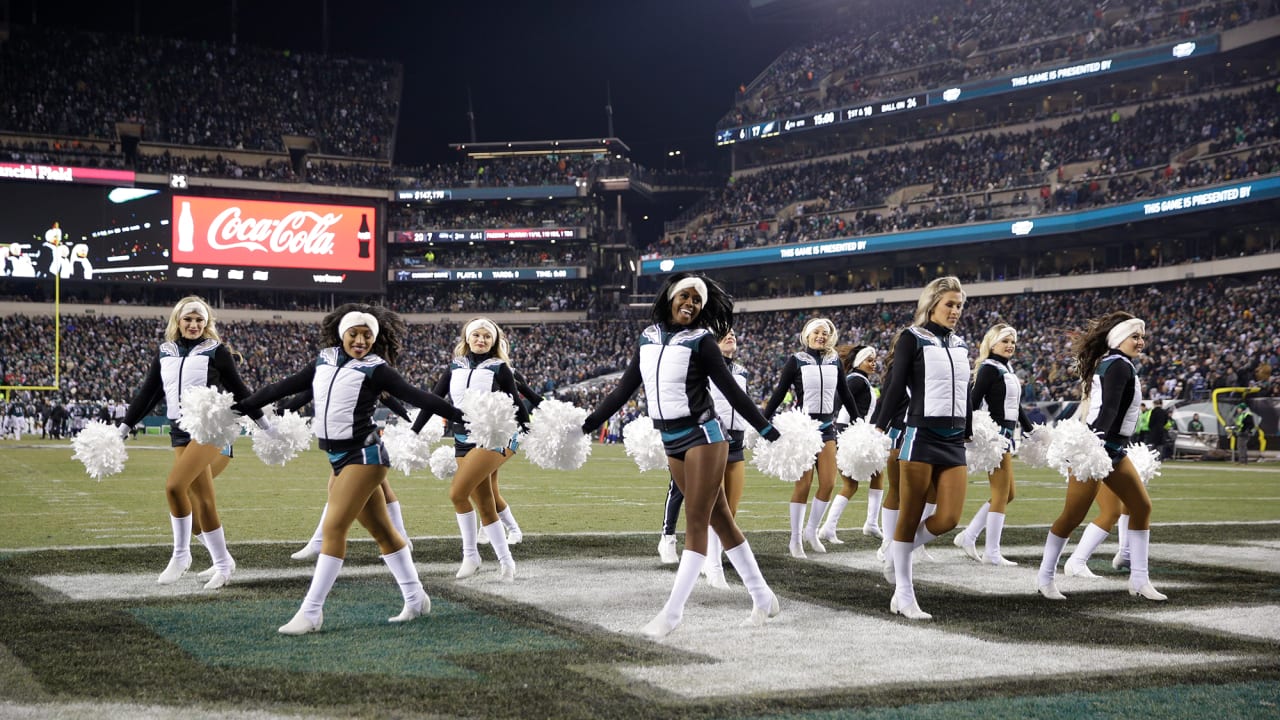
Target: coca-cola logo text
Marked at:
299, 232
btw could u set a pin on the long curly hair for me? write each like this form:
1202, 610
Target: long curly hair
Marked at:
391, 330
1088, 347
717, 309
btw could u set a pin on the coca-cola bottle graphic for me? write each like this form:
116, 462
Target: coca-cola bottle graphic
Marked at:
364, 236
186, 229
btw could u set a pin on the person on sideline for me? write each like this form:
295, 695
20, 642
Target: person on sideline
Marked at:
675, 359
192, 355
1110, 398
816, 376
346, 381
996, 389
932, 365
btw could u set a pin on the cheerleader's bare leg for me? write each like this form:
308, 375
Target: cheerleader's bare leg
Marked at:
799, 502
190, 463
1095, 533
1080, 496
826, 468
1126, 484
471, 477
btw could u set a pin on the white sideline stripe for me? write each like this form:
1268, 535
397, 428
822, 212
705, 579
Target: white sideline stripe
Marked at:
850, 649
1258, 622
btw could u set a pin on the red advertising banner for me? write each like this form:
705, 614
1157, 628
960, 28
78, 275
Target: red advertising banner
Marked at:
255, 233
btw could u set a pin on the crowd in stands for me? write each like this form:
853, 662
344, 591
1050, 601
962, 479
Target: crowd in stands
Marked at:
466, 297
62, 152
487, 215
514, 171
489, 255
80, 84
882, 49
1140, 146
1202, 334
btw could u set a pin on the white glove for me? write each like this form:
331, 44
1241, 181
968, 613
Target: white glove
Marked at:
124, 430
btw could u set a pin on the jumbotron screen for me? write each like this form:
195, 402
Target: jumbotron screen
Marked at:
153, 235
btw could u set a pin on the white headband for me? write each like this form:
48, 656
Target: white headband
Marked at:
1007, 332
863, 354
197, 307
356, 319
1122, 331
480, 323
808, 328
689, 282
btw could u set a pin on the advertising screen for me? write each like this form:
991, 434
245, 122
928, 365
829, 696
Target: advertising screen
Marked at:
148, 235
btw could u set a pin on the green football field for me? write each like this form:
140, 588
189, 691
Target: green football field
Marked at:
86, 632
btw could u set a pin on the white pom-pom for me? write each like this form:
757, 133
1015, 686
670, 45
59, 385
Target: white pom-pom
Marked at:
407, 450
984, 452
1033, 449
433, 431
290, 435
750, 438
644, 444
791, 455
443, 462
207, 415
1145, 459
862, 451
491, 418
1076, 451
555, 440
100, 448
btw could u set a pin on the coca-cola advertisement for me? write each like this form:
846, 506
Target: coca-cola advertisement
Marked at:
87, 235
245, 233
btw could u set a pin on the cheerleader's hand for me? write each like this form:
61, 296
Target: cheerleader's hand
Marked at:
124, 431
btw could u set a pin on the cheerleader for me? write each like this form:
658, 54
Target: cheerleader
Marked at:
996, 389
480, 363
192, 355
674, 359
815, 375
1111, 403
530, 399
346, 381
1111, 512
932, 365
860, 363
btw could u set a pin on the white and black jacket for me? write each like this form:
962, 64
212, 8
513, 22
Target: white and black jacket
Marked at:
819, 386
182, 364
1115, 398
931, 363
998, 390
864, 399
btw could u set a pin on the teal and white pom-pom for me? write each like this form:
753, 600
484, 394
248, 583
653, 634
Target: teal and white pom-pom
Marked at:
1033, 449
1077, 452
407, 450
555, 440
643, 443
290, 435
862, 451
207, 415
986, 449
1145, 459
791, 455
490, 416
99, 447
433, 431
443, 462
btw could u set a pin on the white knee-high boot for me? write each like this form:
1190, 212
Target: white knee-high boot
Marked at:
312, 548
1121, 559
979, 523
497, 535
180, 559
888, 525
1053, 546
871, 526
673, 612
764, 604
904, 593
797, 522
811, 528
397, 521
836, 509
416, 601
1139, 557
1078, 564
470, 555
223, 563
995, 529
310, 616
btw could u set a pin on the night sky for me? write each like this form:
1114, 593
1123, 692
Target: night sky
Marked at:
536, 70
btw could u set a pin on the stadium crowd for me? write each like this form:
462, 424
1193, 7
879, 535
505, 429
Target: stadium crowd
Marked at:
459, 216
462, 255
1203, 334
